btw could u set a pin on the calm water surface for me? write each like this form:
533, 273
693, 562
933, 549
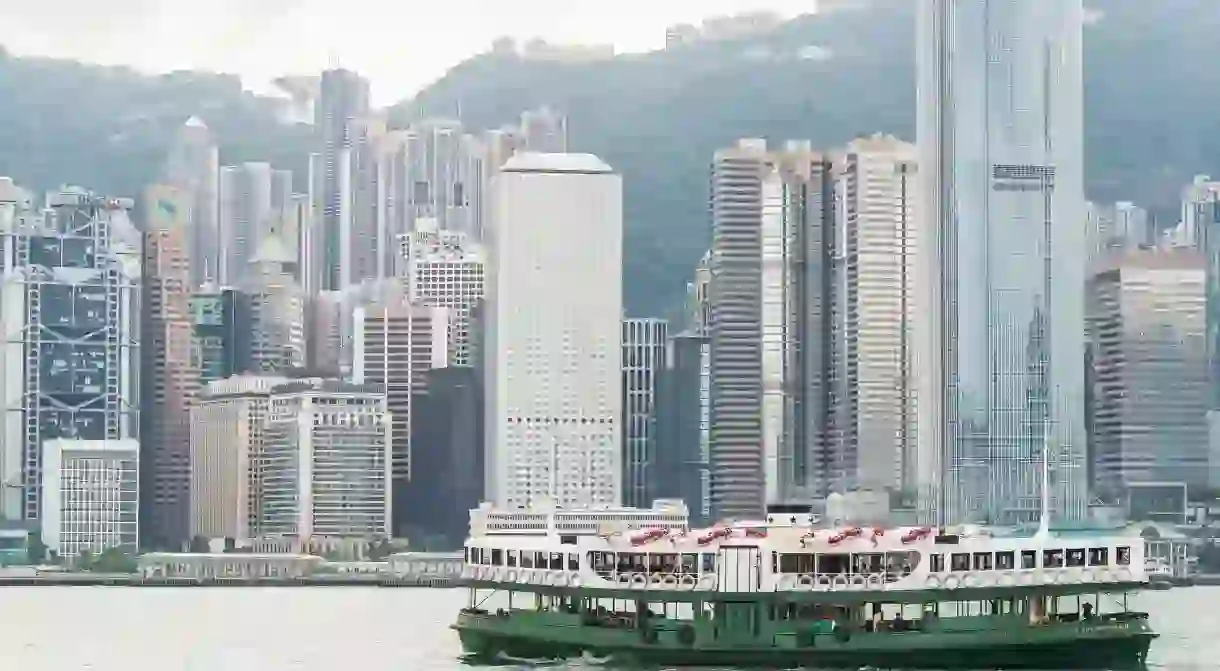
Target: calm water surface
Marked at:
357, 629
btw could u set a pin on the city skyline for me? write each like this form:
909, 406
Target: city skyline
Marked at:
902, 324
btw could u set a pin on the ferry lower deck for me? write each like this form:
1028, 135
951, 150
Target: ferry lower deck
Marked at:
1026, 628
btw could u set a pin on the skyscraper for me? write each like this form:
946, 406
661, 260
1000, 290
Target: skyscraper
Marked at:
644, 341
553, 313
72, 309
772, 303
396, 343
445, 269
254, 200
1147, 325
193, 165
343, 100
876, 188
170, 373
1000, 332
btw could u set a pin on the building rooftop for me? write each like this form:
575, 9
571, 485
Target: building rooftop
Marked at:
530, 161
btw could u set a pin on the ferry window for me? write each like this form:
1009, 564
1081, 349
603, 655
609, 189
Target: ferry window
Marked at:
833, 564
497, 557
788, 563
960, 561
709, 563
556, 561
512, 557
869, 563
1029, 559
567, 540
775, 562
573, 562
690, 564
1123, 556
938, 563
1075, 557
982, 561
1004, 561
1052, 559
1099, 556
527, 560
466, 555
540, 560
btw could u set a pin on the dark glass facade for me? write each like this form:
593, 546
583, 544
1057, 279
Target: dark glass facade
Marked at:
433, 509
683, 468
221, 321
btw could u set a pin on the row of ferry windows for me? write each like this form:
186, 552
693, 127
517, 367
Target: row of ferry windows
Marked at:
602, 562
1006, 561
551, 561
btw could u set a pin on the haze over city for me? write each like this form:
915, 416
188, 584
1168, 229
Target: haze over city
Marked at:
400, 47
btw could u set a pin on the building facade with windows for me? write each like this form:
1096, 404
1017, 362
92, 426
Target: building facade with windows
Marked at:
1000, 261
326, 461
553, 333
91, 496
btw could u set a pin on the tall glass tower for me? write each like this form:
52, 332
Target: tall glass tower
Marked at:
1000, 333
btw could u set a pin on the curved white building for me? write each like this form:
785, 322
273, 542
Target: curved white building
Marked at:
553, 319
1000, 331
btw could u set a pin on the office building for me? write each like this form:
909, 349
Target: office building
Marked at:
1000, 312
170, 372
684, 419
876, 188
326, 461
343, 102
226, 447
1116, 228
771, 318
193, 166
396, 342
277, 310
247, 214
447, 455
644, 341
445, 269
220, 319
552, 354
71, 310
92, 496
698, 309
1147, 327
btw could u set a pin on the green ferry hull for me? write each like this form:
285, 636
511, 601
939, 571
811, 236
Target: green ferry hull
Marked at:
1126, 648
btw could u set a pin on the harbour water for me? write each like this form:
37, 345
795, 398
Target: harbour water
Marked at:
358, 628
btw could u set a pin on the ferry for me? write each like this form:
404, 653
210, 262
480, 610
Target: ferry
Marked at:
638, 586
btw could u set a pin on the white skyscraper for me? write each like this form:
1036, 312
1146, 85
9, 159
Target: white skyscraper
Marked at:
554, 311
876, 190
1000, 332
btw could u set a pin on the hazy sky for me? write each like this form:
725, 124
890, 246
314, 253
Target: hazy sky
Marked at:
400, 44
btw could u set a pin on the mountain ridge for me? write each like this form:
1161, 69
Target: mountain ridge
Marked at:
1150, 91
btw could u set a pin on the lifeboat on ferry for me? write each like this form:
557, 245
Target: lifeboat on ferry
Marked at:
915, 534
714, 535
843, 535
649, 536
